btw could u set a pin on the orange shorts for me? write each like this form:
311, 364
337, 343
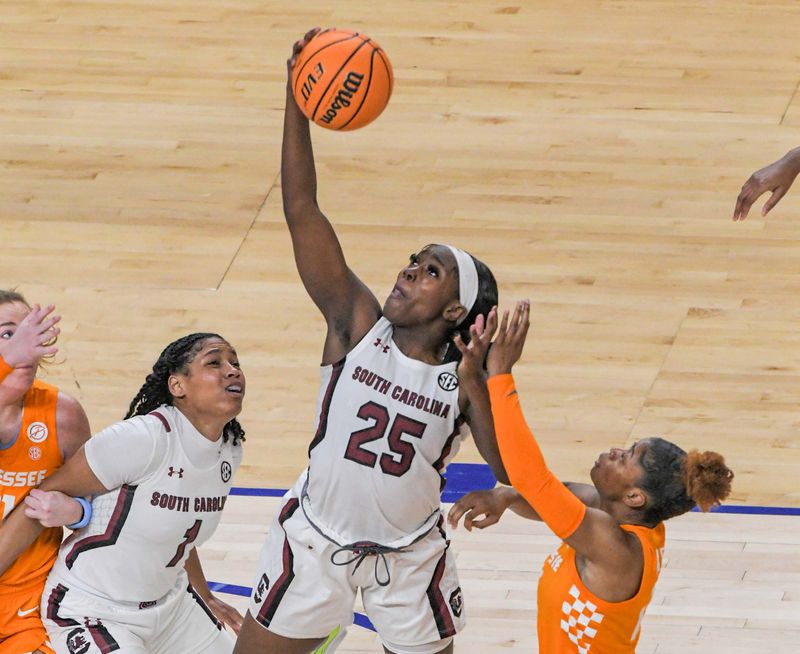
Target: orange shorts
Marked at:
21, 628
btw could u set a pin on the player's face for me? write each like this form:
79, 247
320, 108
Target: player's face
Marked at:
617, 471
18, 383
425, 288
214, 384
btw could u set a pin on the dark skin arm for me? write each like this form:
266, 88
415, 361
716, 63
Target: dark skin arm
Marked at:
494, 502
18, 531
478, 409
610, 559
348, 306
776, 177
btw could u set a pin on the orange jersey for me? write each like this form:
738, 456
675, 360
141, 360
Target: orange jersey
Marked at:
24, 464
572, 620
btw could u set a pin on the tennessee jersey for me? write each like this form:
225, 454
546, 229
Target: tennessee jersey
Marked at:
170, 484
24, 463
386, 427
574, 621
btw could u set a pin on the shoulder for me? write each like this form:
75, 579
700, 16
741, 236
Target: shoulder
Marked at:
72, 425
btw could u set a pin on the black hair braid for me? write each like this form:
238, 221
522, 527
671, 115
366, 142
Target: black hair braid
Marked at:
155, 392
486, 299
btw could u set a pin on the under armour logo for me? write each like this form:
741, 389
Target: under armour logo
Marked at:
378, 343
178, 472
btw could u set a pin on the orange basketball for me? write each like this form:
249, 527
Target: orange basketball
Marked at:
342, 80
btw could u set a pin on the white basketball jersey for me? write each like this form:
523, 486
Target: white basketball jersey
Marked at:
387, 425
141, 534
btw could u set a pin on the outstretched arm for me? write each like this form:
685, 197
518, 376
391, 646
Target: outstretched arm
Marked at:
492, 503
349, 308
591, 532
18, 531
777, 177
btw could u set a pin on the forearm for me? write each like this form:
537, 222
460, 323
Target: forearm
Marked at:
197, 578
792, 159
298, 174
482, 425
524, 462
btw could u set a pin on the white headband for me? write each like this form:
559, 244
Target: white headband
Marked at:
467, 279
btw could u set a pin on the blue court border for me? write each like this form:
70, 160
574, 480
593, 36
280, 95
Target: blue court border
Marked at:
461, 479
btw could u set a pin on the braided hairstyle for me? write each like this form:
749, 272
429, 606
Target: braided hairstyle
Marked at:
676, 482
174, 359
485, 300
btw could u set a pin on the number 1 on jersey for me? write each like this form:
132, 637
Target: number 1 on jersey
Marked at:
189, 537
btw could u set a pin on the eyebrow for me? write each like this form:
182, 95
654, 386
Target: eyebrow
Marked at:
217, 350
6, 324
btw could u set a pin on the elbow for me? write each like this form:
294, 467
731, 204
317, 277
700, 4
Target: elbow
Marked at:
295, 209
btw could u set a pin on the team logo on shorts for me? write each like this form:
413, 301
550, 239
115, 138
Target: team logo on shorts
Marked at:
448, 381
226, 471
457, 602
37, 432
77, 641
261, 589
35, 453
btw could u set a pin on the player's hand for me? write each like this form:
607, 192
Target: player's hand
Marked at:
507, 347
225, 613
33, 338
52, 508
777, 177
298, 47
473, 354
488, 503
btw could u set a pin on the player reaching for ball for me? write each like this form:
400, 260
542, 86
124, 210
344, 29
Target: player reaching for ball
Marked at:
365, 514
595, 589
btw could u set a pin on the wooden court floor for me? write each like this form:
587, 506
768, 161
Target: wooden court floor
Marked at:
589, 151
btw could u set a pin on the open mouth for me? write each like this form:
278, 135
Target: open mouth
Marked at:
235, 389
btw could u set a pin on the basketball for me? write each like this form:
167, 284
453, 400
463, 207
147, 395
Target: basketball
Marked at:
342, 80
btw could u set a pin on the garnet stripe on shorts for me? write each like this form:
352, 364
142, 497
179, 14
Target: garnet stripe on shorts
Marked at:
281, 585
53, 604
110, 535
102, 638
322, 427
441, 613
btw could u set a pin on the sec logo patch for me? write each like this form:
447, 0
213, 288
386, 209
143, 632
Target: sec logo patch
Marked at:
37, 432
226, 471
35, 453
448, 381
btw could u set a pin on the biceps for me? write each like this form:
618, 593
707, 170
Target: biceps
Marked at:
75, 478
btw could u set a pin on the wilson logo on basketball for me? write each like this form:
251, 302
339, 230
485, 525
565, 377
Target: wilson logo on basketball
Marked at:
350, 86
448, 381
37, 432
